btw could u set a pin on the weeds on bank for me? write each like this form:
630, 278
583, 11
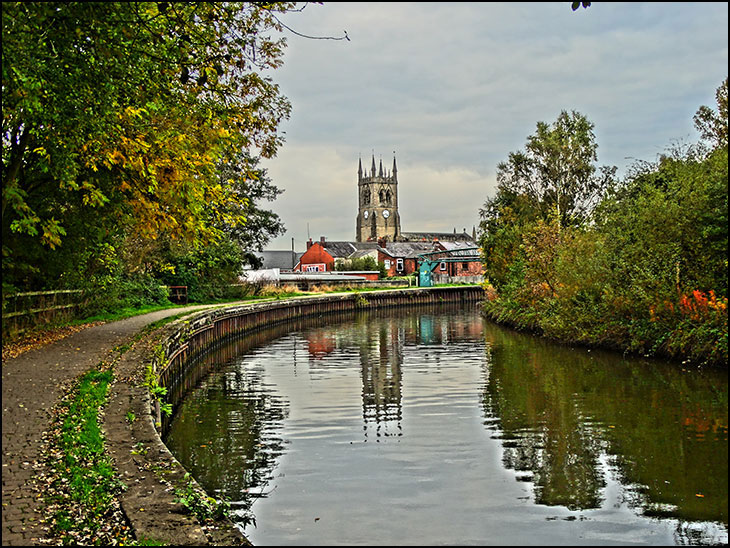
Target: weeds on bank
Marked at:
199, 504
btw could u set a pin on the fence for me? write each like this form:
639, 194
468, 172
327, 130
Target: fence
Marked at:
22, 311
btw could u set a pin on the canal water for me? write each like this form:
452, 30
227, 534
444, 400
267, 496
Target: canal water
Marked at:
434, 426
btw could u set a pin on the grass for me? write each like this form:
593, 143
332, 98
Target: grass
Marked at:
82, 495
123, 313
84, 486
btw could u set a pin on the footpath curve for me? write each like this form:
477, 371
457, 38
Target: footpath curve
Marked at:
32, 384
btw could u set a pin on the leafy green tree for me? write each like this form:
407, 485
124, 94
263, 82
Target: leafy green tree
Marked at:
713, 125
248, 224
554, 180
666, 229
361, 264
127, 109
206, 271
557, 170
504, 219
647, 274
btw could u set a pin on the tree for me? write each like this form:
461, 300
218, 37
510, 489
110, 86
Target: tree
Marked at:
713, 125
362, 264
504, 219
648, 273
557, 170
128, 109
246, 223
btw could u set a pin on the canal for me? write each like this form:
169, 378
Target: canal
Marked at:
432, 425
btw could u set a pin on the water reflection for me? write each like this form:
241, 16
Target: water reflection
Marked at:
379, 340
227, 435
380, 366
559, 411
587, 434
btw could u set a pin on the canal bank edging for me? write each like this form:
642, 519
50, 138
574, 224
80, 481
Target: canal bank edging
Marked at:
133, 419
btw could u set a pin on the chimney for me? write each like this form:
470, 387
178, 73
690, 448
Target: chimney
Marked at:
321, 241
381, 242
309, 243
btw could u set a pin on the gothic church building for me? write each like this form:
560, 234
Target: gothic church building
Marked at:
378, 218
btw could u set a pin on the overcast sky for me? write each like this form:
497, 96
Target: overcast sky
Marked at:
453, 88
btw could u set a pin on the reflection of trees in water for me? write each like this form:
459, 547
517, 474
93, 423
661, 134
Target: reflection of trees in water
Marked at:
237, 419
560, 411
544, 435
565, 416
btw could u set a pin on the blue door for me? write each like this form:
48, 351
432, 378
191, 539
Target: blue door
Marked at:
424, 274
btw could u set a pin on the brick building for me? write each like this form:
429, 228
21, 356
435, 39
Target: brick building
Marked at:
315, 259
401, 258
323, 256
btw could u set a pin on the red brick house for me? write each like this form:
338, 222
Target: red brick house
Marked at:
322, 256
464, 263
315, 259
399, 258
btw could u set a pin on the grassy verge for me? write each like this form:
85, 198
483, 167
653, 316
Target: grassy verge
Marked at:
124, 313
82, 491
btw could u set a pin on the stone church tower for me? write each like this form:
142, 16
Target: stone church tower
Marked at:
377, 214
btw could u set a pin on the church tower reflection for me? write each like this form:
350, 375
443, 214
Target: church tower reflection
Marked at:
380, 361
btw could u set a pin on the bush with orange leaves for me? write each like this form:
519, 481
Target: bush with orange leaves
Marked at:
698, 321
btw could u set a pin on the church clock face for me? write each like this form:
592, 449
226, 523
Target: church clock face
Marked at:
386, 213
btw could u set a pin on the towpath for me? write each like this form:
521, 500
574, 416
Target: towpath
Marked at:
31, 386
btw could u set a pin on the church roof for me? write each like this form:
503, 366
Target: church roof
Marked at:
440, 236
408, 249
345, 249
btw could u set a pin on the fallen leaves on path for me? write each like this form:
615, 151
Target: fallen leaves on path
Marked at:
31, 341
